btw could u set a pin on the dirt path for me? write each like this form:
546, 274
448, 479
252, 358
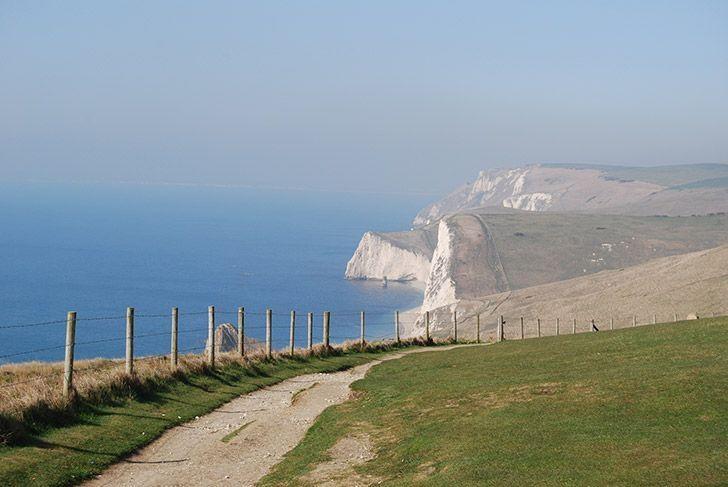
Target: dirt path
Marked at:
241, 441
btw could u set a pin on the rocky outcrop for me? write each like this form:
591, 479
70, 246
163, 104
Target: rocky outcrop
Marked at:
226, 338
400, 256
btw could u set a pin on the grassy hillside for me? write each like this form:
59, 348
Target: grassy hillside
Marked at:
662, 290
643, 406
706, 183
662, 175
537, 248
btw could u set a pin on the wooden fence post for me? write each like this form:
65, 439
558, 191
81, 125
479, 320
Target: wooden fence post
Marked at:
211, 336
477, 328
538, 326
427, 326
362, 331
241, 331
269, 333
327, 324
68, 363
129, 341
573, 329
292, 345
522, 335
557, 327
634, 320
501, 329
611, 323
675, 318
173, 349
309, 330
396, 326
455, 325
593, 325
654, 319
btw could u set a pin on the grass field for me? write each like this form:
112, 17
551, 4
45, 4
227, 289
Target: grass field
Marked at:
642, 406
99, 434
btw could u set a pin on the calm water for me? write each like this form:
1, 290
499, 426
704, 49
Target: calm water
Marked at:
97, 249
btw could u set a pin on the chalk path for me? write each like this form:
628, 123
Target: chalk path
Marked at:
260, 428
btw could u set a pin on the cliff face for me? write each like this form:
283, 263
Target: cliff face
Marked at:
481, 253
440, 286
396, 256
466, 262
540, 188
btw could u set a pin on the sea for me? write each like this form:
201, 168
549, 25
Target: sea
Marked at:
98, 248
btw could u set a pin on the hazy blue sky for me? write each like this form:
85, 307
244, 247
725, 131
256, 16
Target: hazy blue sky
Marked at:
369, 95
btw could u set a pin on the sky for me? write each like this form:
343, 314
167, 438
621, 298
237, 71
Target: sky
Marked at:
355, 96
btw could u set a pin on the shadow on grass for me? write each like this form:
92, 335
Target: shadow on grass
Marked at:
49, 445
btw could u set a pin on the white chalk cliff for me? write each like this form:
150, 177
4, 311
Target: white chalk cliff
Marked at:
516, 228
440, 286
396, 256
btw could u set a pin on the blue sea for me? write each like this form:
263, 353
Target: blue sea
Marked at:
98, 248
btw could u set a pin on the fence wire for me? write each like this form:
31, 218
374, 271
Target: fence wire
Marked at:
345, 325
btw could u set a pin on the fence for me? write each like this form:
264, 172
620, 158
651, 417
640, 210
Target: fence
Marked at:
281, 332
473, 327
194, 333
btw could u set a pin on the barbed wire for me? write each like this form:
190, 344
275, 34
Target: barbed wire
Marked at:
102, 318
93, 318
201, 348
29, 325
193, 330
333, 313
102, 340
28, 352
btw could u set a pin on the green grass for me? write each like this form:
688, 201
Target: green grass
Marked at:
296, 395
100, 435
643, 406
236, 432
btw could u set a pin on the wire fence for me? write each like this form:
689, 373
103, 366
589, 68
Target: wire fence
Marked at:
135, 336
482, 326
